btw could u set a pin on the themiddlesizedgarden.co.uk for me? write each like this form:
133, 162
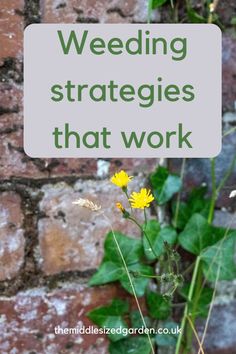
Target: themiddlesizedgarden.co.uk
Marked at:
119, 330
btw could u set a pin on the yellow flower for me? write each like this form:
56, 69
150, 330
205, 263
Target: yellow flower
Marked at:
141, 199
121, 179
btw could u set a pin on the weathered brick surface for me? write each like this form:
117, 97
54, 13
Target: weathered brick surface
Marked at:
10, 106
71, 11
29, 320
12, 159
71, 237
11, 235
65, 237
30, 317
15, 163
229, 71
11, 29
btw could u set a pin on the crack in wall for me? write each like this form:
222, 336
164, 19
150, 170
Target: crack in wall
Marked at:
11, 70
32, 12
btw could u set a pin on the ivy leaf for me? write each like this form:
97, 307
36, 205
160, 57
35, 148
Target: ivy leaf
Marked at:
134, 345
157, 237
131, 249
167, 234
139, 282
203, 301
158, 3
168, 339
158, 306
197, 200
218, 260
112, 267
152, 230
136, 320
198, 234
164, 185
196, 203
184, 214
111, 317
107, 272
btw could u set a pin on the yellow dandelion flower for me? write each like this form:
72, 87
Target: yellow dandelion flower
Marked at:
141, 199
121, 179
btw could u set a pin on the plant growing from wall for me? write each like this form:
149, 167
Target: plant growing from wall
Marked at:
203, 13
153, 267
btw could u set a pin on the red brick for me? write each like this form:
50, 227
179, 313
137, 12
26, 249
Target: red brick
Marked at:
11, 97
12, 158
15, 163
11, 107
228, 71
11, 235
71, 11
133, 166
71, 237
11, 30
28, 320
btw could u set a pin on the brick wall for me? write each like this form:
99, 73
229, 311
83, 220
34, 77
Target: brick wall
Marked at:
48, 247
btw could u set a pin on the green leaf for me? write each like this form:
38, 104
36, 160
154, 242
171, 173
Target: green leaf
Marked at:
233, 21
136, 320
158, 3
139, 282
152, 230
196, 203
168, 339
218, 260
132, 345
112, 267
184, 214
194, 17
164, 185
157, 237
111, 317
203, 301
198, 234
158, 306
131, 249
167, 234
107, 272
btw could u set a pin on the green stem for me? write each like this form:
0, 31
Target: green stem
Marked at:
145, 234
196, 297
186, 309
145, 216
178, 197
146, 275
228, 132
149, 10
